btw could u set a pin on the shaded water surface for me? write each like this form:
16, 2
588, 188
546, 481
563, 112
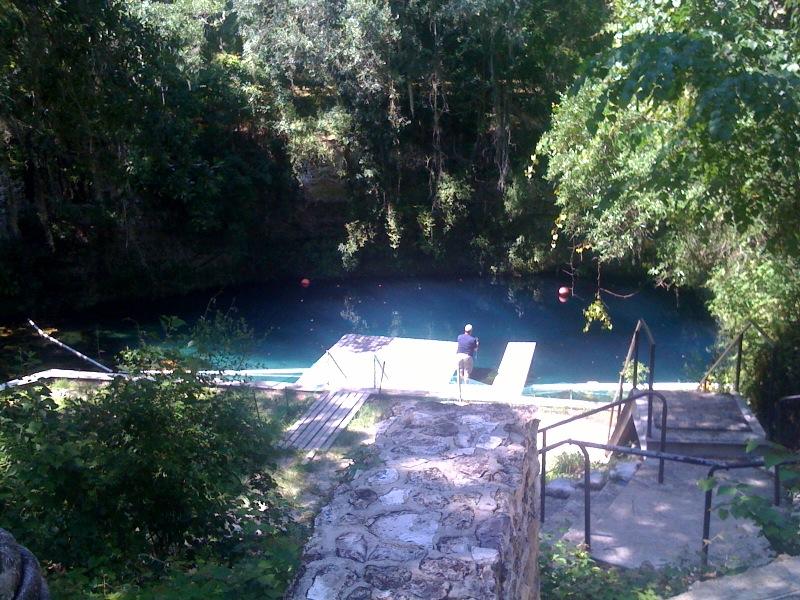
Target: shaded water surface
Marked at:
299, 323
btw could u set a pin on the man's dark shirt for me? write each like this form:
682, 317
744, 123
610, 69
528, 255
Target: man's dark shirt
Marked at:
467, 344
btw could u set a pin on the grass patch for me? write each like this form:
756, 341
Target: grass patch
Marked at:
309, 485
570, 465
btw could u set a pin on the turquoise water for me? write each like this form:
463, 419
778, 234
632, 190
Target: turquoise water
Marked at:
298, 324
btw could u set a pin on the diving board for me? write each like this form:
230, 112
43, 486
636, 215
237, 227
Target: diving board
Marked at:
513, 370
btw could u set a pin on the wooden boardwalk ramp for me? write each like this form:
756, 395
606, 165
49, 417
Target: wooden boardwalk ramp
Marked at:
317, 429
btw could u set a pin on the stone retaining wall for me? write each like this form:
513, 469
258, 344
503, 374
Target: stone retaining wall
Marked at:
450, 512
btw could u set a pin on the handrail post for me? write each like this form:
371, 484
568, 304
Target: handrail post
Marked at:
652, 360
739, 362
777, 485
663, 436
328, 353
542, 475
587, 500
707, 521
635, 382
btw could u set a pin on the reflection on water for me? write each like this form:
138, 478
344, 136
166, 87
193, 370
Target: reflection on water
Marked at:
299, 324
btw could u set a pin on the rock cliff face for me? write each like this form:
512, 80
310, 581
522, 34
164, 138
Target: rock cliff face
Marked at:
449, 514
20, 576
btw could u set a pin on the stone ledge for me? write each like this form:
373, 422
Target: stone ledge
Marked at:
450, 514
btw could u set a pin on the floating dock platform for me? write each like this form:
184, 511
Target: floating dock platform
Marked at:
396, 365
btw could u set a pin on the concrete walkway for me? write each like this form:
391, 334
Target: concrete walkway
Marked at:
778, 580
663, 524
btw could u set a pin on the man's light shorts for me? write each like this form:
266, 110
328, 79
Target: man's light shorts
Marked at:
465, 363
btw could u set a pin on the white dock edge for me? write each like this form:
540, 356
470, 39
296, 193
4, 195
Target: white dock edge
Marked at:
514, 367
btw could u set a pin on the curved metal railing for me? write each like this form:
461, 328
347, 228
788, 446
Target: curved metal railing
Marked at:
634, 395
661, 456
738, 343
632, 358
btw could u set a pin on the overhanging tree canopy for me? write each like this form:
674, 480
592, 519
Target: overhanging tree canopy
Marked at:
679, 149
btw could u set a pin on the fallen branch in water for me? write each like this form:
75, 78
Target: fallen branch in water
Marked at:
68, 349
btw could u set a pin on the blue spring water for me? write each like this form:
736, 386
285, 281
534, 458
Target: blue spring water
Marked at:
299, 323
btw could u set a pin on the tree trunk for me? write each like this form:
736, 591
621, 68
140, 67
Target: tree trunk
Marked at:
9, 210
40, 204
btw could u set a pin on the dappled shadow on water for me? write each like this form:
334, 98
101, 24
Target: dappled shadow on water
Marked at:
363, 343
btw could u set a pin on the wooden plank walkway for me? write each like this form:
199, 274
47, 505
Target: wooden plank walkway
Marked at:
318, 428
513, 370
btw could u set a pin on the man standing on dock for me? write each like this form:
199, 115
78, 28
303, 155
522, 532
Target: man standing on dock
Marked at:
467, 346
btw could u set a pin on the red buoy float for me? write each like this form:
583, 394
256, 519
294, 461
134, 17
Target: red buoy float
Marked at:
564, 293
305, 282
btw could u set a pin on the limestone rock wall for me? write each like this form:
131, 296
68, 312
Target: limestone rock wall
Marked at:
20, 575
449, 513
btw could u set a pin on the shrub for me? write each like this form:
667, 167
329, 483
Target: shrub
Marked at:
743, 501
569, 573
140, 466
772, 372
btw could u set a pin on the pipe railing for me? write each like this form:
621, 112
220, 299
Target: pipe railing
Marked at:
69, 349
633, 357
377, 363
335, 363
738, 343
662, 456
634, 395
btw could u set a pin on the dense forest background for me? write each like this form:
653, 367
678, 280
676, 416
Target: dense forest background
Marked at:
155, 147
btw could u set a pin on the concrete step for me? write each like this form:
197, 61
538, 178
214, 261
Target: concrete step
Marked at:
699, 424
779, 579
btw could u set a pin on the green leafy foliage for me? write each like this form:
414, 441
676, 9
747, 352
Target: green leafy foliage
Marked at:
264, 576
743, 501
411, 84
566, 464
642, 373
597, 312
138, 467
677, 151
131, 132
675, 146
771, 372
568, 573
155, 485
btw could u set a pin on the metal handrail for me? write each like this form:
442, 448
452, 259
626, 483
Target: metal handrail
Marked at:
662, 456
634, 395
633, 354
787, 399
336, 363
738, 343
382, 365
